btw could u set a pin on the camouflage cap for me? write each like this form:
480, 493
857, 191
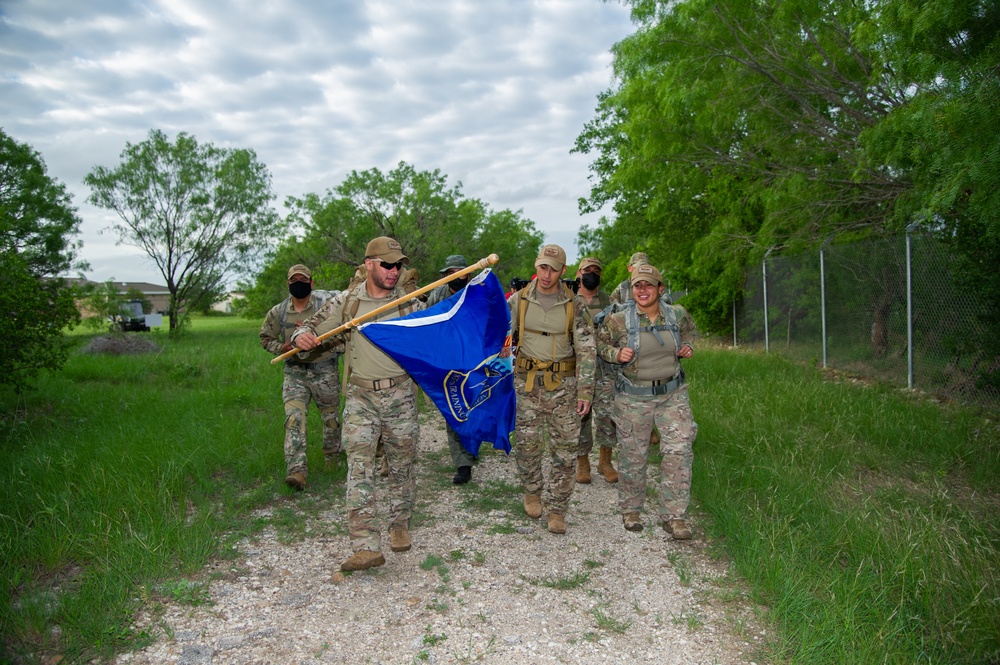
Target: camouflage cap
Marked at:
638, 257
386, 248
455, 261
646, 273
553, 256
299, 269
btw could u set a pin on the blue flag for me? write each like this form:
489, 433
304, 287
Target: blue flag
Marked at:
455, 351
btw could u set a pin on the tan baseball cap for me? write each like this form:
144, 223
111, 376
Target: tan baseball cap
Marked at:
638, 257
589, 261
646, 273
299, 269
386, 248
551, 255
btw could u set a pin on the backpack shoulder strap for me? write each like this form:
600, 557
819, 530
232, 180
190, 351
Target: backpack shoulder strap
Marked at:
522, 307
282, 313
632, 326
608, 310
570, 311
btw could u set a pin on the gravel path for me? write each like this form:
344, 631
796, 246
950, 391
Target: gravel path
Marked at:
482, 583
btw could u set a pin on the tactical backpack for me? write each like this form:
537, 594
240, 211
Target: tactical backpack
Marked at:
321, 298
551, 372
351, 305
634, 331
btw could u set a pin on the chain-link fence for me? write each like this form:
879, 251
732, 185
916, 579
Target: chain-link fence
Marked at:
886, 308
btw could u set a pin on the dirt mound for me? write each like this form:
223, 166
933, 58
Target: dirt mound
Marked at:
120, 345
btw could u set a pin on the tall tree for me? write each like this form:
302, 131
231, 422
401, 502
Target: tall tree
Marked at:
429, 218
37, 225
202, 214
945, 137
740, 126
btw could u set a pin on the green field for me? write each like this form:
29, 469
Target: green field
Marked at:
864, 520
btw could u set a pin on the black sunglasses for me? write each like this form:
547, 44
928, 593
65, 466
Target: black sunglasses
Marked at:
398, 265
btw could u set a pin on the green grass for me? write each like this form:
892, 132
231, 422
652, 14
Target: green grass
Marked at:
127, 471
866, 520
608, 623
494, 495
565, 583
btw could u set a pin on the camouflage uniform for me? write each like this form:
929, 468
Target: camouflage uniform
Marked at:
623, 292
380, 403
315, 376
636, 414
440, 294
597, 424
546, 400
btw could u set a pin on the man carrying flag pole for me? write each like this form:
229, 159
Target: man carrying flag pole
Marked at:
380, 400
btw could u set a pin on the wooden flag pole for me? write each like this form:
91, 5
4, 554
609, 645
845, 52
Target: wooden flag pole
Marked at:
478, 265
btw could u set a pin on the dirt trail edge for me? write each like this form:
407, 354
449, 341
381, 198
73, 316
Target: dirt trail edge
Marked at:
483, 583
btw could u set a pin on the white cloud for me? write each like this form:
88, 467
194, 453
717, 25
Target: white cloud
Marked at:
492, 94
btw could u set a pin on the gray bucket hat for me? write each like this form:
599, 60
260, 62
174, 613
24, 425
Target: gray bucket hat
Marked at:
452, 262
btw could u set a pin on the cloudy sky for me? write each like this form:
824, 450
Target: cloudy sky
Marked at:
491, 93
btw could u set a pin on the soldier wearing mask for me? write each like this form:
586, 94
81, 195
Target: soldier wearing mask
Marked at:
596, 425
462, 458
313, 377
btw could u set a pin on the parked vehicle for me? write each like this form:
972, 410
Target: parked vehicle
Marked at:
130, 318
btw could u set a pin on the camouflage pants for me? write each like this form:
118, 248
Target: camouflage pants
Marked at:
459, 455
371, 415
598, 426
635, 416
542, 412
322, 386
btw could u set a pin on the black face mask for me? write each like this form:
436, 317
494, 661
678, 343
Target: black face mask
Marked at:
590, 280
300, 289
458, 283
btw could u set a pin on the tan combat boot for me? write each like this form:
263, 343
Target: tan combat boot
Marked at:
677, 528
632, 522
557, 524
399, 539
363, 559
654, 437
604, 466
583, 469
297, 481
533, 506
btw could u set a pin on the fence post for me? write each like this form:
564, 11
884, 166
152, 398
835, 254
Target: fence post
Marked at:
822, 292
767, 332
734, 323
909, 303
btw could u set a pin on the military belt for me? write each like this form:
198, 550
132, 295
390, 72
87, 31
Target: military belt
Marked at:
552, 371
320, 365
649, 388
379, 384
